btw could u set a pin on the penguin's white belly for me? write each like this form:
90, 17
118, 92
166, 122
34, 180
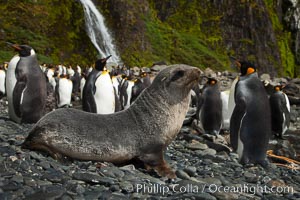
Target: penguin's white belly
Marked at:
2, 81
288, 106
104, 96
129, 92
284, 124
82, 83
65, 92
240, 147
10, 85
52, 82
226, 115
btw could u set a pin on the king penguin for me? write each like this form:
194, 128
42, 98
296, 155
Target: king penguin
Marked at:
76, 78
26, 86
250, 124
211, 108
63, 92
126, 92
137, 89
280, 112
98, 92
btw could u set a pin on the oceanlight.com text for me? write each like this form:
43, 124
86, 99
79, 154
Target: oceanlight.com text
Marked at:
211, 188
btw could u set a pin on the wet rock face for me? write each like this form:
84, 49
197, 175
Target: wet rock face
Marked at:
245, 22
291, 11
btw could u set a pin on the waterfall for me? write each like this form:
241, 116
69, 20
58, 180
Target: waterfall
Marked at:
98, 32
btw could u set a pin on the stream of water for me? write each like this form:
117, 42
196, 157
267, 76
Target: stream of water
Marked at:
98, 32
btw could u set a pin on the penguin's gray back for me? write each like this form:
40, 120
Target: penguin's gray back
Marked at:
280, 113
252, 90
33, 98
254, 127
211, 110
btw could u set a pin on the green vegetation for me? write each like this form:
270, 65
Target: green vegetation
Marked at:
55, 29
183, 45
283, 42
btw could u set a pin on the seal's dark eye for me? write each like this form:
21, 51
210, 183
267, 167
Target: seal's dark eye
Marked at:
177, 75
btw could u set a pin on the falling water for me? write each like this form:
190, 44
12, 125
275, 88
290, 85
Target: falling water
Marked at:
98, 32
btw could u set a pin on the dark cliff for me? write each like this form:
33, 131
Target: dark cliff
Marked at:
199, 33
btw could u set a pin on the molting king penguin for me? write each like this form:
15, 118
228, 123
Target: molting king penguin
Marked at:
26, 86
98, 92
211, 108
280, 111
250, 124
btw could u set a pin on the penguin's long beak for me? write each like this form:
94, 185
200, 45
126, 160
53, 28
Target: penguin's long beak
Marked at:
107, 57
15, 46
103, 60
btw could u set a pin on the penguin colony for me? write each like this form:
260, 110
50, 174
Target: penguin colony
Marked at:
251, 116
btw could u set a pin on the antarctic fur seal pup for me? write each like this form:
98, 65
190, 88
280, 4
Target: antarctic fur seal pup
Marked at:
143, 131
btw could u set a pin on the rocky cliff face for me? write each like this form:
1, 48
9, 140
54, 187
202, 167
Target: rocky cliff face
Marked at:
291, 20
199, 33
203, 33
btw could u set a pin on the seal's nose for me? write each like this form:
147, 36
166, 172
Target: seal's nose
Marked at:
196, 72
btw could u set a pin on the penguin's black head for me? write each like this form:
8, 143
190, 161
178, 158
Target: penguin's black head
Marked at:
124, 76
212, 81
100, 64
246, 68
23, 50
144, 74
278, 88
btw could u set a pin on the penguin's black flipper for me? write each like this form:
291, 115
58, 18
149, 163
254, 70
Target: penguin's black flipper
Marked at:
17, 96
57, 93
118, 106
94, 85
236, 120
123, 94
88, 103
199, 105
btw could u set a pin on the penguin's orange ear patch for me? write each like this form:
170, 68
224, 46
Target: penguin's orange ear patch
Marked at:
250, 70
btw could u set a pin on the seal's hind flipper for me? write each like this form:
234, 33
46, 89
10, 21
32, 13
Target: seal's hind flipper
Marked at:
164, 169
155, 160
44, 148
